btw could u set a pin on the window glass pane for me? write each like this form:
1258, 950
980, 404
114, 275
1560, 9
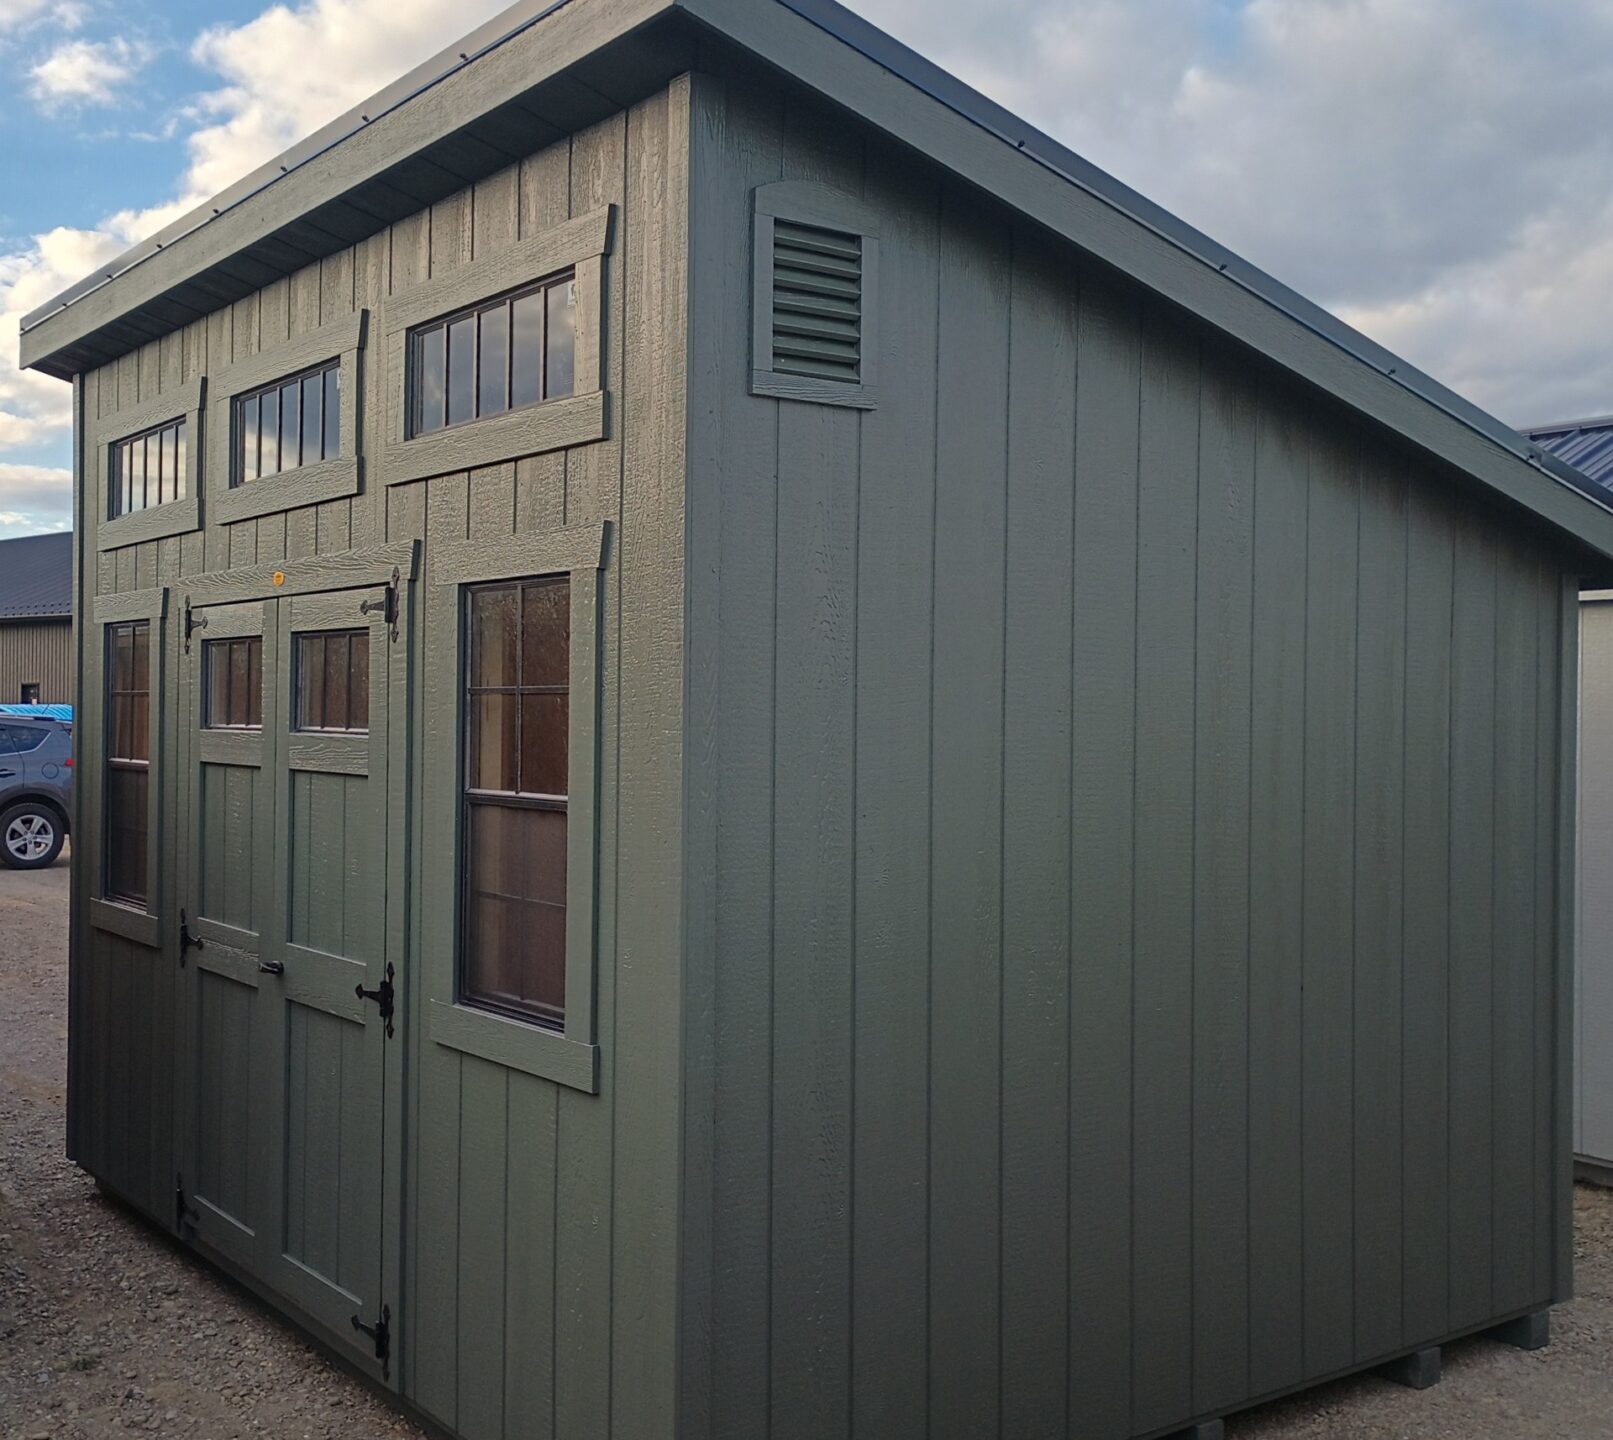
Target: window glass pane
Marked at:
218, 683
138, 488
544, 727
494, 361
269, 449
526, 355
122, 656
515, 932
332, 413
493, 637
170, 461
358, 681
126, 790
493, 743
310, 681
248, 424
254, 682
290, 424
139, 656
462, 370
546, 633
181, 481
431, 379
560, 359
335, 716
313, 401
236, 712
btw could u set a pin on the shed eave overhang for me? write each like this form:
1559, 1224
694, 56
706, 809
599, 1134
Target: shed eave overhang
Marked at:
858, 67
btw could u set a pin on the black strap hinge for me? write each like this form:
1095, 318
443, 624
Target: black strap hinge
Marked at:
383, 995
381, 1333
192, 622
387, 605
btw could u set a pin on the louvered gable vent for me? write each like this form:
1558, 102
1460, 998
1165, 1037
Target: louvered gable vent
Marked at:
817, 302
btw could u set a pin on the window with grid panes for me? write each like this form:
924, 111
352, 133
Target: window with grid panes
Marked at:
502, 355
289, 424
333, 681
234, 683
128, 759
148, 469
518, 714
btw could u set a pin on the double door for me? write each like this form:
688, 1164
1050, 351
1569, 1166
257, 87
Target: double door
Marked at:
290, 1092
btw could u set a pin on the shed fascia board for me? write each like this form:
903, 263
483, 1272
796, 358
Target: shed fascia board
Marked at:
858, 67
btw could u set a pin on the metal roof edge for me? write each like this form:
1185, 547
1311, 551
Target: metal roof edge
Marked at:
1561, 427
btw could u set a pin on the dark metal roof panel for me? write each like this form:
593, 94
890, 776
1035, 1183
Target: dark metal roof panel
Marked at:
36, 577
1587, 445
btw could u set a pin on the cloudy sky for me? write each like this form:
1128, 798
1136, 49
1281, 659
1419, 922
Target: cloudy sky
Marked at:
1439, 172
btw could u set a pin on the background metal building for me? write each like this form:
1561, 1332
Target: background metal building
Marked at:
36, 620
1069, 767
1588, 445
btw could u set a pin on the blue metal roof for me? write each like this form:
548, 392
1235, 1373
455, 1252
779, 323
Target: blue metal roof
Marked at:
1587, 445
64, 713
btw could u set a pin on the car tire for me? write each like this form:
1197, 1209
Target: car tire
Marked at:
31, 836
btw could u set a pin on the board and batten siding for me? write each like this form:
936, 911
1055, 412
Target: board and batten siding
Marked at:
1593, 1077
538, 1261
1125, 797
36, 652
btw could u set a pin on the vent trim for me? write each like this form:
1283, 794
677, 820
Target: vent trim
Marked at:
815, 297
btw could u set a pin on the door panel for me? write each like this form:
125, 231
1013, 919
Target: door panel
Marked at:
291, 1109
230, 820
328, 1116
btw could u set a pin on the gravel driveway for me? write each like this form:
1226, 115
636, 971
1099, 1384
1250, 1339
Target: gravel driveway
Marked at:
107, 1328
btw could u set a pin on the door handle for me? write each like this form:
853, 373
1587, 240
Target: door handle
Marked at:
271, 967
6, 774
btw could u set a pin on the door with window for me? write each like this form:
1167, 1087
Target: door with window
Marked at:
294, 1085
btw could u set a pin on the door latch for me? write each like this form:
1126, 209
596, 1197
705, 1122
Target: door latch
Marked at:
386, 606
187, 941
381, 1334
271, 967
382, 995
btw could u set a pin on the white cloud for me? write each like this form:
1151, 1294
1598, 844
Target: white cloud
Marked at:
35, 497
86, 72
65, 15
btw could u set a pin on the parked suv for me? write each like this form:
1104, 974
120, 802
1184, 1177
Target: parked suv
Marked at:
36, 790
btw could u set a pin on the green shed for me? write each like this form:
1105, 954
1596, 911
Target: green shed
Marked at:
759, 759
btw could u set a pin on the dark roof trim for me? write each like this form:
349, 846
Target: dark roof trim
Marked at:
36, 577
850, 62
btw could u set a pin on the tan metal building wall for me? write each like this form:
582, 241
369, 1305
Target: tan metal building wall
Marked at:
37, 652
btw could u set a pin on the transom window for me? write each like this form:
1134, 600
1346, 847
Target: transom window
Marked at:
149, 469
234, 683
503, 355
288, 424
333, 681
128, 759
517, 727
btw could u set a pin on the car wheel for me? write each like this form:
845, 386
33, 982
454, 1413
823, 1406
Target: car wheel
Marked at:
30, 837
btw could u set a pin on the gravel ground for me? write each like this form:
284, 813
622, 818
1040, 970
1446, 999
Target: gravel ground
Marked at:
106, 1328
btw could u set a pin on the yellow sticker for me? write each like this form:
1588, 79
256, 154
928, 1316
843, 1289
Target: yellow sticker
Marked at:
279, 577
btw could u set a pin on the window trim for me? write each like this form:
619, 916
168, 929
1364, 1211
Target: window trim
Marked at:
570, 1057
805, 203
172, 517
121, 917
344, 341
578, 245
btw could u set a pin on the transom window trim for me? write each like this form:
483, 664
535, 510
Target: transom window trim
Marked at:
170, 487
574, 254
577, 556
328, 463
135, 917
812, 244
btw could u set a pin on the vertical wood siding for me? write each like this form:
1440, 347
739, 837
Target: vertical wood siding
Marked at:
1122, 806
1593, 1080
540, 1221
36, 652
